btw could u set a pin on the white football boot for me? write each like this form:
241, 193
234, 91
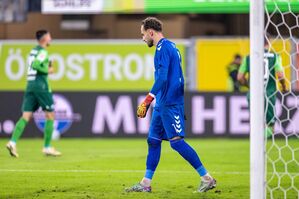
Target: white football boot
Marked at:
51, 151
12, 149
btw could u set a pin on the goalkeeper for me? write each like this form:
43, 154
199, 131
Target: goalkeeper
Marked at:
168, 116
272, 68
37, 94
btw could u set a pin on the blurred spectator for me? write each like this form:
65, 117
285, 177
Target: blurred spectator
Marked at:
13, 10
232, 69
34, 6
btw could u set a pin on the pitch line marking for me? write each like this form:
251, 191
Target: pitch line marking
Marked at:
104, 171
126, 171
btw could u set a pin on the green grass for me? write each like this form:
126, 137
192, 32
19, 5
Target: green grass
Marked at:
102, 168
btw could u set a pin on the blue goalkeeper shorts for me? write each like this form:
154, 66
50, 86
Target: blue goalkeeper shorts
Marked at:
167, 122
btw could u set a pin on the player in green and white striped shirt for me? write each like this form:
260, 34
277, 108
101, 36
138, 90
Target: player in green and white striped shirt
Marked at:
37, 94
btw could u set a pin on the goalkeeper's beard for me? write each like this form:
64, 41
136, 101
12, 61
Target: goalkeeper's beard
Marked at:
150, 43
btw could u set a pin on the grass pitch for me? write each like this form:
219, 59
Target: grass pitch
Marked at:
102, 168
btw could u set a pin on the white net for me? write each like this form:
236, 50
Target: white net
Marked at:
282, 147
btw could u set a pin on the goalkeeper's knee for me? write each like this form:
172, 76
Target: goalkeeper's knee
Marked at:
177, 144
152, 142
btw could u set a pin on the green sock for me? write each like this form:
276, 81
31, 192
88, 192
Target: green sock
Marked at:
268, 132
19, 128
49, 127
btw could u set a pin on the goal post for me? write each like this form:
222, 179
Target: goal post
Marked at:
257, 142
274, 159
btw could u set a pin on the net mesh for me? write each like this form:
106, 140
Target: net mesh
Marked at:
282, 145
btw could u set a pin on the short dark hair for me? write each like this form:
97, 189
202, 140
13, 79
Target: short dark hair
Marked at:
40, 33
238, 56
152, 23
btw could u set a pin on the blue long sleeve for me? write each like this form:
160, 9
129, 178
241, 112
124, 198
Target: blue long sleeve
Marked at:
162, 71
160, 81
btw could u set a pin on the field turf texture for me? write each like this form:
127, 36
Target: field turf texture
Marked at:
103, 168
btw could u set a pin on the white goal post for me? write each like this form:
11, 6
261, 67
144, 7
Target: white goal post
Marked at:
257, 144
274, 154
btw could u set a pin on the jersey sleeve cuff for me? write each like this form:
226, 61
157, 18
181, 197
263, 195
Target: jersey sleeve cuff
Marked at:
152, 95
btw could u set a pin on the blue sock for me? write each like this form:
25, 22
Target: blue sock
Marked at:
188, 153
153, 156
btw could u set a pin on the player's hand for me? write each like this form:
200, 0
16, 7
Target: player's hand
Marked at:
50, 64
144, 106
51, 70
284, 89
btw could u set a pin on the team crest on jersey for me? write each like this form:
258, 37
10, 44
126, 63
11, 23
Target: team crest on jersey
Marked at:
41, 56
64, 116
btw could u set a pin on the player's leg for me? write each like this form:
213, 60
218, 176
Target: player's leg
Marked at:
29, 105
173, 122
269, 105
154, 140
190, 155
48, 129
235, 81
152, 160
270, 115
20, 126
17, 133
269, 131
45, 100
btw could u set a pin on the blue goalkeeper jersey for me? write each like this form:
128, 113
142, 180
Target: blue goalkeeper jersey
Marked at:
169, 80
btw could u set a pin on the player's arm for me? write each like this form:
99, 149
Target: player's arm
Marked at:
51, 68
242, 73
39, 63
162, 72
160, 81
280, 73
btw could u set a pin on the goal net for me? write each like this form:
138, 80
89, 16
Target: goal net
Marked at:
282, 145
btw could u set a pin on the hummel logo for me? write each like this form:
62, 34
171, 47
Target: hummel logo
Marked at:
177, 126
159, 47
178, 130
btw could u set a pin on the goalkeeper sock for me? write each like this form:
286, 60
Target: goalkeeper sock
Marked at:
188, 153
19, 129
49, 127
153, 157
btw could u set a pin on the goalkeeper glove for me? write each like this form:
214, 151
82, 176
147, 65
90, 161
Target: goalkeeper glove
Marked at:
144, 106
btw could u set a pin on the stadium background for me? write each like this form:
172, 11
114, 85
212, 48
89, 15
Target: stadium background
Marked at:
103, 68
